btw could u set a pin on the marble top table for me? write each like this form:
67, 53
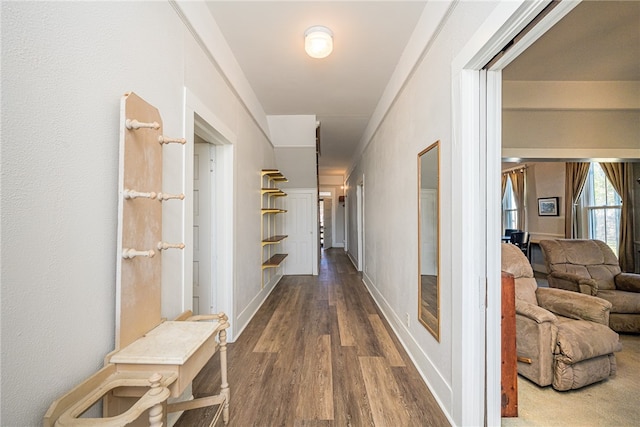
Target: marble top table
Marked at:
172, 346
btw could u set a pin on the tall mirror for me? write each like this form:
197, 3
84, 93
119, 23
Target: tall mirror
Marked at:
429, 242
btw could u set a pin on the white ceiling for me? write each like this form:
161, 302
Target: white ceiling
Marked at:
342, 90
597, 40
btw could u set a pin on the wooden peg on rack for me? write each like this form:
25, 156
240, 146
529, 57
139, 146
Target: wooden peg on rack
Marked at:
128, 253
166, 196
134, 125
133, 194
164, 245
166, 140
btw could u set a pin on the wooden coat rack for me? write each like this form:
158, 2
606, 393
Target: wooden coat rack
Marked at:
153, 359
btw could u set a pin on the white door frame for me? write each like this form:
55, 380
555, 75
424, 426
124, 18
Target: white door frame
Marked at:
315, 237
334, 202
207, 233
199, 119
477, 147
360, 221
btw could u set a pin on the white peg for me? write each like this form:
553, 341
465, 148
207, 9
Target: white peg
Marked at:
166, 140
132, 194
134, 124
167, 196
128, 253
164, 245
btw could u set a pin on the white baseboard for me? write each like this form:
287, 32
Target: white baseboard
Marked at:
245, 316
437, 384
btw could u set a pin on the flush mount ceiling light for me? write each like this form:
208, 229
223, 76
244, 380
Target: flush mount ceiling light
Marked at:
318, 41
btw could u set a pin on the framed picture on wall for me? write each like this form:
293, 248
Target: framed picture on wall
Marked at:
548, 206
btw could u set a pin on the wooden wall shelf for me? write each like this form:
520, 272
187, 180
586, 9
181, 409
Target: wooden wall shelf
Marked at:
274, 261
273, 192
271, 240
274, 175
272, 210
274, 239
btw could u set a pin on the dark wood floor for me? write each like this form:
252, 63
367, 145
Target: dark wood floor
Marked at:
319, 353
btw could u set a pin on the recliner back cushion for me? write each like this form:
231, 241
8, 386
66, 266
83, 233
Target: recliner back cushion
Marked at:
516, 263
590, 259
526, 290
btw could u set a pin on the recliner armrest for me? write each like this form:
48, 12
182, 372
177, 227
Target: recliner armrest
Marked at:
533, 312
628, 282
574, 305
572, 282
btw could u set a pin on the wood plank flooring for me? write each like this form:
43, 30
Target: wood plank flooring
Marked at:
318, 353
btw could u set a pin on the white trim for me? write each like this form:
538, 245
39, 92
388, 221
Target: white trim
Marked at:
198, 118
493, 227
360, 222
197, 17
571, 96
507, 20
334, 201
415, 352
467, 204
314, 220
474, 124
431, 20
525, 14
244, 317
571, 154
294, 146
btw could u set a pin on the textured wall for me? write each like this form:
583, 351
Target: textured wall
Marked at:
65, 66
420, 116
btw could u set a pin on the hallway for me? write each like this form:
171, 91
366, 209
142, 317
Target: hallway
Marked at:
319, 353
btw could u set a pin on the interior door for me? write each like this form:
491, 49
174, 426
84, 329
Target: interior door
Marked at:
328, 223
202, 265
298, 225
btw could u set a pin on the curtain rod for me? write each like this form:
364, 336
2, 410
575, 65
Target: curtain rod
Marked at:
522, 167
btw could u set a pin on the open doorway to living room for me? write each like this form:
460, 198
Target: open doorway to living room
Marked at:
566, 98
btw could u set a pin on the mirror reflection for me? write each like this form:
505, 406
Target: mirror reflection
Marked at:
428, 250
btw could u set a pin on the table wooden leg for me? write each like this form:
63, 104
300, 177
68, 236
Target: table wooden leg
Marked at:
224, 386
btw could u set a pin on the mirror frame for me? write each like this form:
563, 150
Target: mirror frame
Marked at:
434, 331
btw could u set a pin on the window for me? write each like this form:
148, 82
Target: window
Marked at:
601, 207
509, 208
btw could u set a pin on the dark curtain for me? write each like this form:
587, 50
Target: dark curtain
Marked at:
575, 177
517, 182
621, 177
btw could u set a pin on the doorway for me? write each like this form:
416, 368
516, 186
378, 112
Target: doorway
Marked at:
360, 222
204, 227
326, 214
209, 249
301, 227
476, 146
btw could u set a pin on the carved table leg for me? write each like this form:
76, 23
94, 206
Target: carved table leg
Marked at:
156, 412
224, 386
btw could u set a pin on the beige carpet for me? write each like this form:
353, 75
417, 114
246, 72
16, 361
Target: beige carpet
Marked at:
614, 402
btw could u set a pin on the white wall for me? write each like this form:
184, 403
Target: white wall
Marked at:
65, 66
299, 165
545, 179
419, 116
293, 130
571, 119
294, 137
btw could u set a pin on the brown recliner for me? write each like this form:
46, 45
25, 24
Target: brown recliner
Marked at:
562, 337
590, 267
